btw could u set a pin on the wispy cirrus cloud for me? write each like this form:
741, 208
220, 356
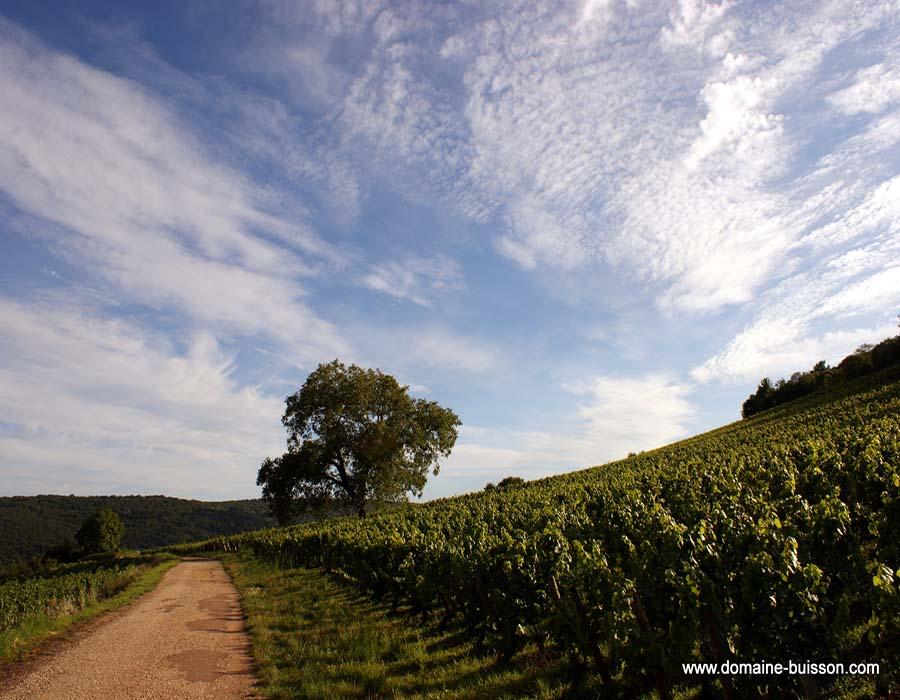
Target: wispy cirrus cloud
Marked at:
778, 349
130, 195
414, 278
665, 142
137, 413
413, 350
111, 179
682, 147
874, 89
850, 293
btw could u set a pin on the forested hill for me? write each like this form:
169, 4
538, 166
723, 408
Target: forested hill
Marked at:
31, 524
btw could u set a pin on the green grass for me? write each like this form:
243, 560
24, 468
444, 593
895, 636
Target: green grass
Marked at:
314, 637
16, 643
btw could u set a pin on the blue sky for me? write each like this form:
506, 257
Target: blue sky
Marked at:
590, 228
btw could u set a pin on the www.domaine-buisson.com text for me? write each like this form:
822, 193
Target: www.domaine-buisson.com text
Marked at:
793, 668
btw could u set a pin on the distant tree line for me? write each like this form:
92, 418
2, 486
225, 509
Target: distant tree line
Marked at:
864, 360
29, 525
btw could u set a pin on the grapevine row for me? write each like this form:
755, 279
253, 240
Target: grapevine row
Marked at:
768, 539
65, 590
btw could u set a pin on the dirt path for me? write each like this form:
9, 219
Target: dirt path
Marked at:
185, 639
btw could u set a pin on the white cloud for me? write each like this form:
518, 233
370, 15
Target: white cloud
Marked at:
329, 17
111, 178
251, 127
775, 349
737, 118
669, 145
878, 290
587, 142
101, 405
617, 415
323, 82
691, 22
592, 10
874, 89
850, 288
715, 245
415, 278
626, 414
491, 454
853, 212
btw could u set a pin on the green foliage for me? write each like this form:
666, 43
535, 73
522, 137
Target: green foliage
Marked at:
355, 435
507, 483
313, 637
864, 360
66, 588
37, 606
100, 533
771, 538
29, 525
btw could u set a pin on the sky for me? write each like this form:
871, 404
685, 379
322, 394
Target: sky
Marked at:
589, 228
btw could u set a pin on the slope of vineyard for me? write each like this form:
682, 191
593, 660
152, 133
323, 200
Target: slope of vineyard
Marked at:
775, 538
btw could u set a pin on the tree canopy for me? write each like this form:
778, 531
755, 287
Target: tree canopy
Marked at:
355, 436
102, 532
507, 483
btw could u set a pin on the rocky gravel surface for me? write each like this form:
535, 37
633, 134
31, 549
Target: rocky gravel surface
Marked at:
185, 639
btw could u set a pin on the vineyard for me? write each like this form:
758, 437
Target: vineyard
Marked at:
775, 538
65, 590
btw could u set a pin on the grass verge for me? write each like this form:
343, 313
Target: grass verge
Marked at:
19, 641
314, 637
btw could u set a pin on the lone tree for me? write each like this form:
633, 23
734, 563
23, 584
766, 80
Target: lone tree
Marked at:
355, 435
102, 532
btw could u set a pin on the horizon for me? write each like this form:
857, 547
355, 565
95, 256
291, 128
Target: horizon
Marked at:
588, 228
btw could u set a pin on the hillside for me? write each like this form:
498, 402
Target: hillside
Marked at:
770, 538
31, 524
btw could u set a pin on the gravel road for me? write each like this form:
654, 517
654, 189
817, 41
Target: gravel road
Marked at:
185, 639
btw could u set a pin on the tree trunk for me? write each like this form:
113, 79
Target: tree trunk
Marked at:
720, 652
600, 662
810, 687
662, 683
